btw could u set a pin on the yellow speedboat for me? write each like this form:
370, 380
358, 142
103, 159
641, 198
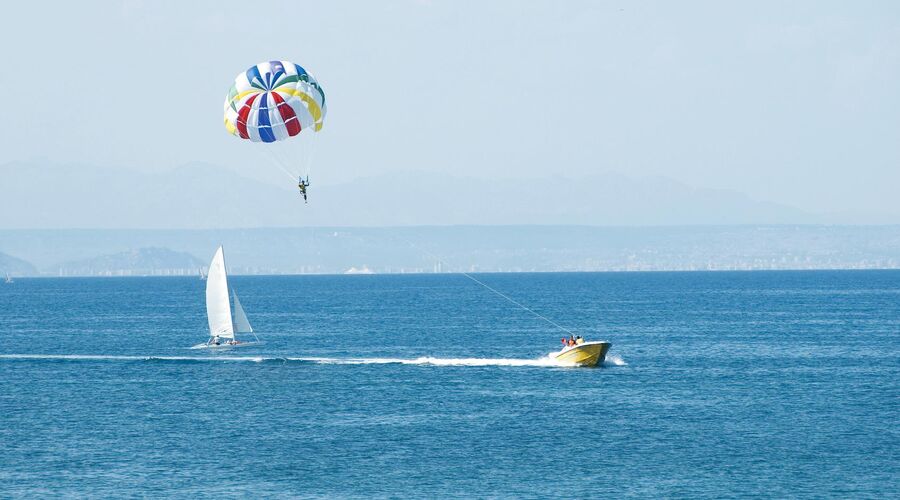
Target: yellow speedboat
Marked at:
583, 354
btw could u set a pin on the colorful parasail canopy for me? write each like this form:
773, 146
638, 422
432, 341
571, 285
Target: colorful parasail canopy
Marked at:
274, 101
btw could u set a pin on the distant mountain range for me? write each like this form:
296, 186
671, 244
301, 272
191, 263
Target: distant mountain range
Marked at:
608, 199
405, 222
46, 195
455, 248
15, 267
143, 261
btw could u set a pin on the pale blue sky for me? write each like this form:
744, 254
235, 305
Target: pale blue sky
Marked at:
791, 102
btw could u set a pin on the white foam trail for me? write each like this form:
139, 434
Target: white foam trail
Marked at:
546, 361
431, 361
98, 357
614, 361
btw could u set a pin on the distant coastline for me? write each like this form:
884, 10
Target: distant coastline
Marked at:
448, 249
261, 275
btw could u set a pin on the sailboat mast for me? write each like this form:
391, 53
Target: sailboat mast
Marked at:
224, 265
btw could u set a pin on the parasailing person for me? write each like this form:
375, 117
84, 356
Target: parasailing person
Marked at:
281, 107
303, 184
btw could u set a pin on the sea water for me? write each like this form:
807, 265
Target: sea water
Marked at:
777, 384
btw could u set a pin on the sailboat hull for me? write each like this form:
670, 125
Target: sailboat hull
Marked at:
224, 346
586, 354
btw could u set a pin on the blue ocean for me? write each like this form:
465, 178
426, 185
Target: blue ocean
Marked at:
718, 384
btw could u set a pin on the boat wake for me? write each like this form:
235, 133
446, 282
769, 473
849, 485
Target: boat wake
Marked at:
613, 360
104, 357
546, 361
431, 361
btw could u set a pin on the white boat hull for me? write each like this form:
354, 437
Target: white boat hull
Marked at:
224, 346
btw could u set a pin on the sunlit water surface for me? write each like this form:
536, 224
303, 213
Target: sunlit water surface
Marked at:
718, 384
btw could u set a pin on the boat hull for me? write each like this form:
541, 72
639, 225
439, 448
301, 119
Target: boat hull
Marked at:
586, 354
226, 346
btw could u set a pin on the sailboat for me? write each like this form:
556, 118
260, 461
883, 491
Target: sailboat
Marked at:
8, 279
202, 275
222, 323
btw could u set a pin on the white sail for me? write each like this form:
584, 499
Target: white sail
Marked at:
241, 324
218, 308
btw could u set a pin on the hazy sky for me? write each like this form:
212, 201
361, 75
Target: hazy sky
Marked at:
794, 102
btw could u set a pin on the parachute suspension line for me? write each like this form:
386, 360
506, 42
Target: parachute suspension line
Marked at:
499, 293
311, 156
294, 162
278, 163
290, 175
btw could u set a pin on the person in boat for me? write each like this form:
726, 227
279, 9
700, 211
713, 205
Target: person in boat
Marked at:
216, 340
303, 184
579, 340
